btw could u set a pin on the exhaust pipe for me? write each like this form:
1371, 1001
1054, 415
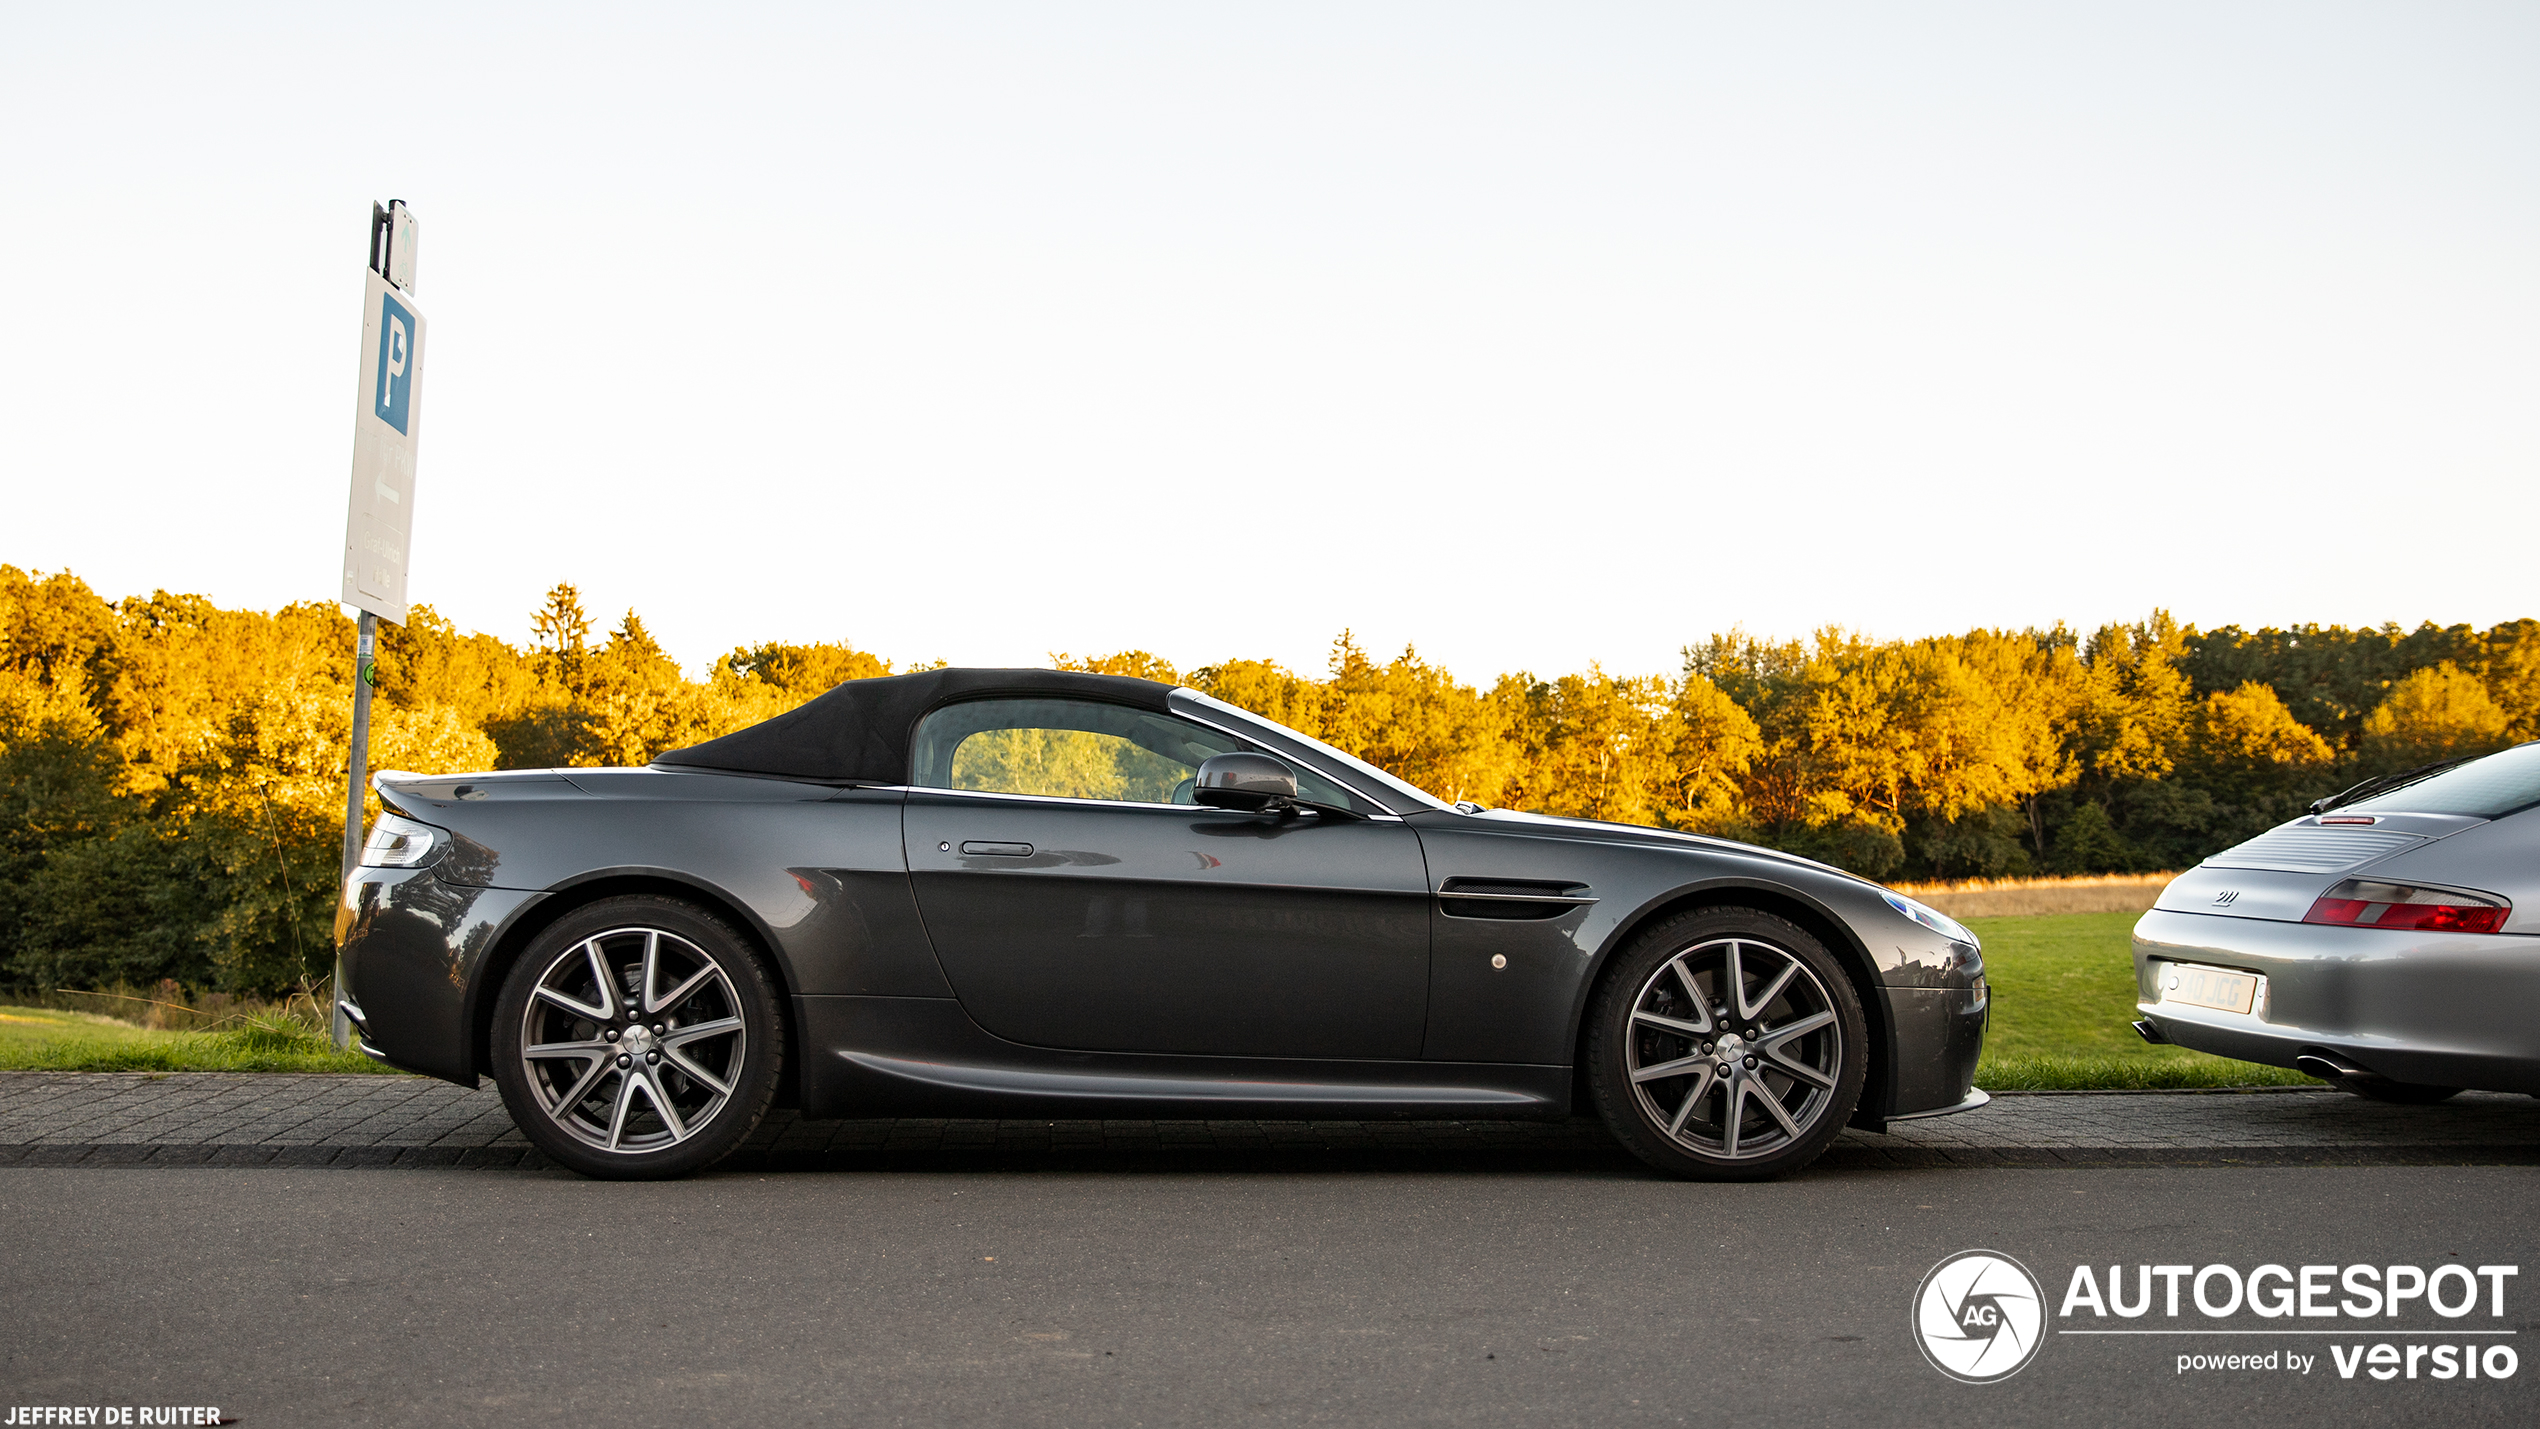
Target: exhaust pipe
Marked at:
2152, 1034
2328, 1066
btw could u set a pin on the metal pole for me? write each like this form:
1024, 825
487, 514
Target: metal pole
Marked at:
362, 679
356, 776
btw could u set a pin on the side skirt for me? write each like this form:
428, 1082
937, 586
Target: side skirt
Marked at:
923, 1056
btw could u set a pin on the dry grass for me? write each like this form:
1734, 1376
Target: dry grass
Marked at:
171, 1007
168, 1029
2035, 897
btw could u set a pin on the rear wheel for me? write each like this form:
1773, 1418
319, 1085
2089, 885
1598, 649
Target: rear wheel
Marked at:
1726, 1045
638, 1038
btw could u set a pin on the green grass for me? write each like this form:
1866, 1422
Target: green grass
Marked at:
36, 1039
2063, 1005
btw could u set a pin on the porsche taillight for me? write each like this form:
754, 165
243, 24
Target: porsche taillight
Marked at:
2367, 903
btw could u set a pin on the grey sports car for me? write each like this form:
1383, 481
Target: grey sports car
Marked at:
1028, 892
2388, 941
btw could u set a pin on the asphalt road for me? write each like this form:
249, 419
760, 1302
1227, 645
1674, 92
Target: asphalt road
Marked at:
1587, 1294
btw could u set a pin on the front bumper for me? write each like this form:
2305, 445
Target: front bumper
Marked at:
409, 948
1938, 1039
2436, 1009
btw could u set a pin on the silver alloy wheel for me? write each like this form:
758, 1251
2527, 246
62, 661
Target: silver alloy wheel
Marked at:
1734, 1048
633, 1040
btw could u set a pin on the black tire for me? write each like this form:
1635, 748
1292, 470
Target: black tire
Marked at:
1634, 1026
629, 1097
2401, 1093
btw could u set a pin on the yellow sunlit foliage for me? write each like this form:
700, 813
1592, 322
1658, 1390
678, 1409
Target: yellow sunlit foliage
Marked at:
2250, 728
2436, 713
173, 771
1414, 720
1136, 664
2134, 708
2512, 674
803, 670
1586, 747
1711, 744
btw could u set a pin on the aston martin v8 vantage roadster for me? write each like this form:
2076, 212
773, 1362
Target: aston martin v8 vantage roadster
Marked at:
2389, 941
1040, 893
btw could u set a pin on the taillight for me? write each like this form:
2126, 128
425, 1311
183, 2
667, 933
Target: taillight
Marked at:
2364, 903
399, 842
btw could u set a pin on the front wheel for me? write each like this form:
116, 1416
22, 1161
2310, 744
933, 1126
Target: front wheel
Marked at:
1726, 1045
638, 1038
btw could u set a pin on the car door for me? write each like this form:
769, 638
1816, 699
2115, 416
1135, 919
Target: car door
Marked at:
1078, 899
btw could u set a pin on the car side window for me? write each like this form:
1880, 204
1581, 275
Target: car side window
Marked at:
1074, 749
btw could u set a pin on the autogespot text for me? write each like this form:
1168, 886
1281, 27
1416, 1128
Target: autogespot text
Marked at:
2447, 1322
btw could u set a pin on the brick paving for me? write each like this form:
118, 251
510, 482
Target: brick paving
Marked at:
141, 1119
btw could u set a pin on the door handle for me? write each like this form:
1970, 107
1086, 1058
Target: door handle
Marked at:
996, 850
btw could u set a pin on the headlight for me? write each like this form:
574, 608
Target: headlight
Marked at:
399, 842
1931, 918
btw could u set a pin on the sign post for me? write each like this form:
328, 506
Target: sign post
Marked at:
379, 515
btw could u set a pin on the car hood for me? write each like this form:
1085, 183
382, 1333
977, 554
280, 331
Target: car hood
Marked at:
1592, 830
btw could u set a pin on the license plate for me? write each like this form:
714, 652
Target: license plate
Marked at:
2217, 988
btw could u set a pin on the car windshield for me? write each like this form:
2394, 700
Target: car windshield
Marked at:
1385, 783
2487, 788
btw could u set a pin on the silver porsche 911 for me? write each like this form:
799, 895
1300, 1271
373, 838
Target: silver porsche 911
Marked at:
2389, 941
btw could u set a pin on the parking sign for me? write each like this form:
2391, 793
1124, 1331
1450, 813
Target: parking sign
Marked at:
379, 517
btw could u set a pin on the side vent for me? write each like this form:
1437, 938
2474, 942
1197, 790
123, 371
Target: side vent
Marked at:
1510, 900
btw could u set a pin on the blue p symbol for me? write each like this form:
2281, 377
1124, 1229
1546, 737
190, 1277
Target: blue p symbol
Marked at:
396, 363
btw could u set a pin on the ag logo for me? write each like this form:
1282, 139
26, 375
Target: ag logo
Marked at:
1979, 1316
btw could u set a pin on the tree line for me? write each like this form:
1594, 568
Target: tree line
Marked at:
173, 770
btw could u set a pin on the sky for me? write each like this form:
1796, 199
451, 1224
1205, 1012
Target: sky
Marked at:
1531, 335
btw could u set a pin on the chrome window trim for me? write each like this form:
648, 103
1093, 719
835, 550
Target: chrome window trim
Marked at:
1071, 800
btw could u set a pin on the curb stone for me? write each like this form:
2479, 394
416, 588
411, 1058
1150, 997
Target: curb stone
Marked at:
342, 1121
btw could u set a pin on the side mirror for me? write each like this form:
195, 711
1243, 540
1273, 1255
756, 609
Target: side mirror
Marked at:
1243, 780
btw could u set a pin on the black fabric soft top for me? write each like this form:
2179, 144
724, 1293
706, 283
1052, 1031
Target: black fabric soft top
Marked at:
859, 732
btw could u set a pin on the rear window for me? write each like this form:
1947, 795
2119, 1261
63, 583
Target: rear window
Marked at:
2487, 788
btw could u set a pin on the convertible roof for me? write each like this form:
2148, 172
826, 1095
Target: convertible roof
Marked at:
859, 732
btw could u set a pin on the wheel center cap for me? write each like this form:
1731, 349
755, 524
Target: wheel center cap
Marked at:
639, 1040
1731, 1047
